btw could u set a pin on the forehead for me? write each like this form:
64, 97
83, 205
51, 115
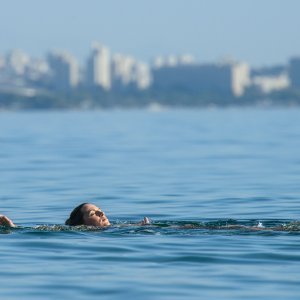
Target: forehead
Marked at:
89, 207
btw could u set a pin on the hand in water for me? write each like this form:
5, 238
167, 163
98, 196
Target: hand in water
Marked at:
146, 221
5, 221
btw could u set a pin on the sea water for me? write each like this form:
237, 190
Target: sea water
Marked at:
221, 188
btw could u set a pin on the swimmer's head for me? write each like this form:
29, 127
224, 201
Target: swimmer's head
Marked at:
87, 214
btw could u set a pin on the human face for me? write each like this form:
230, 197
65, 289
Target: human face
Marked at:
94, 216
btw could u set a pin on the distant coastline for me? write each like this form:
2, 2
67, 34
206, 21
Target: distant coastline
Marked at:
28, 99
114, 80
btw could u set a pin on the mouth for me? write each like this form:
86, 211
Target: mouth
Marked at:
104, 222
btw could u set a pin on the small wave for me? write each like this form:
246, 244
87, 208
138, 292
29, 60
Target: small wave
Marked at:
292, 226
260, 225
169, 227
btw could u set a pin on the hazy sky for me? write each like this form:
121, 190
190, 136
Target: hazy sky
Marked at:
261, 32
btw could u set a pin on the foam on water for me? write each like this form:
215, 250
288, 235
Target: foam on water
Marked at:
170, 227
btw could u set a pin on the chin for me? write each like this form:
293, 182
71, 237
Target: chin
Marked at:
105, 223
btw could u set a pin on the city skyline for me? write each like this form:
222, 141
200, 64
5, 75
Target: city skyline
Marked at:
106, 70
157, 59
258, 32
109, 79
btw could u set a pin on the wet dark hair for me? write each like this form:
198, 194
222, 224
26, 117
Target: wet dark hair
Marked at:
76, 216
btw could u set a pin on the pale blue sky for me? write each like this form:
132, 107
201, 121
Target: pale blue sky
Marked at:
261, 32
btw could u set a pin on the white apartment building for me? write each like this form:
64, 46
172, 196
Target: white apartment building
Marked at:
142, 74
240, 78
126, 71
267, 84
122, 70
17, 61
98, 67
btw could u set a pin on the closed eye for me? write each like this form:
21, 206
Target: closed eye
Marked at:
96, 212
91, 213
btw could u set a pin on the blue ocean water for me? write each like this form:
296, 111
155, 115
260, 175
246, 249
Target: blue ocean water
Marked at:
206, 179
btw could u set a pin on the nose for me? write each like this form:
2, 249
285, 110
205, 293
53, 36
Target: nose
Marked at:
100, 213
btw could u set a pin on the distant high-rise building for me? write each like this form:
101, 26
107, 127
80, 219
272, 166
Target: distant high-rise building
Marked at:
142, 76
37, 70
270, 79
227, 79
158, 62
65, 71
129, 73
122, 70
171, 61
98, 67
294, 72
240, 78
17, 61
268, 84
